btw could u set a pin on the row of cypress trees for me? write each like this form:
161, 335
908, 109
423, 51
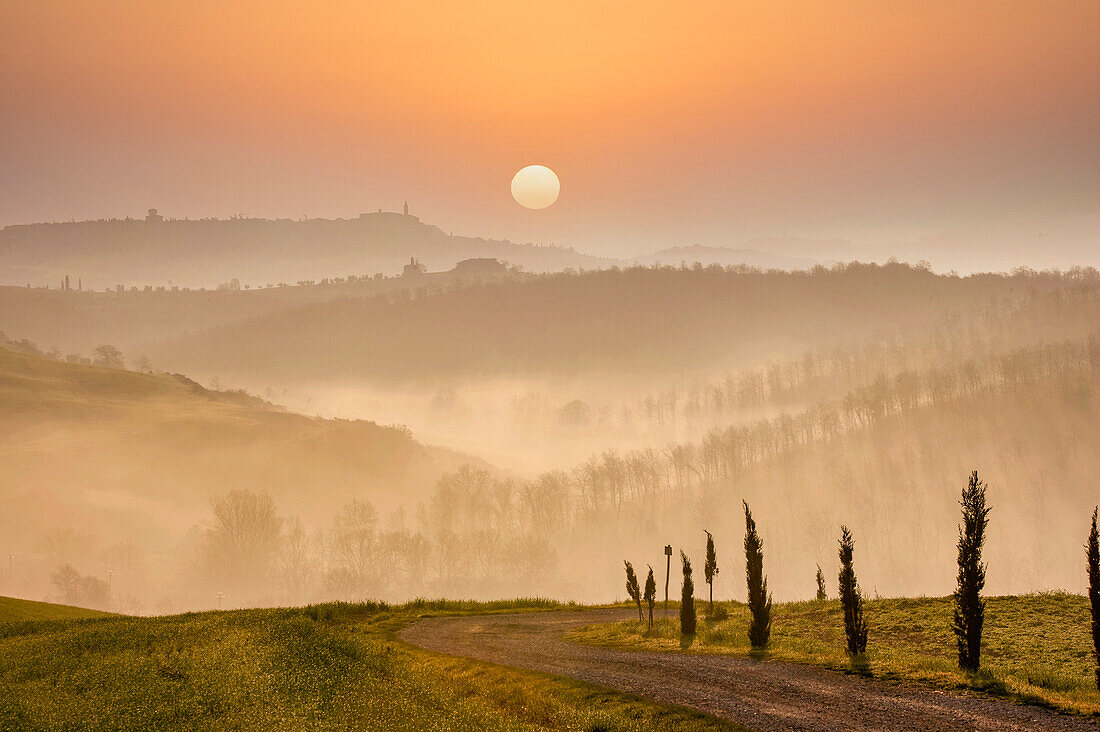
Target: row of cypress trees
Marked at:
969, 606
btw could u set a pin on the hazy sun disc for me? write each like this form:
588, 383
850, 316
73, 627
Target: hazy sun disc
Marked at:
535, 186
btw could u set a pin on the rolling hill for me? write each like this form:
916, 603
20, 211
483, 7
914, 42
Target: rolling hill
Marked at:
624, 322
100, 461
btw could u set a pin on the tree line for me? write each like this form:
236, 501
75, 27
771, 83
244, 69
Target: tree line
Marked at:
1001, 327
968, 616
479, 534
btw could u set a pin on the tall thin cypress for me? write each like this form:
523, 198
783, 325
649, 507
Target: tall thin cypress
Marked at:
687, 600
821, 594
632, 588
851, 599
710, 568
760, 602
650, 594
969, 605
1093, 553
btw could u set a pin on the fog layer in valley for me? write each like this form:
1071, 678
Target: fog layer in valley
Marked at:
547, 427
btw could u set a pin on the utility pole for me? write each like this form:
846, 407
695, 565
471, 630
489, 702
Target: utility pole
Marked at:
221, 596
668, 568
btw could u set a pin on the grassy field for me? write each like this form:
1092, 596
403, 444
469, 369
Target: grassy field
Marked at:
12, 610
327, 666
1036, 649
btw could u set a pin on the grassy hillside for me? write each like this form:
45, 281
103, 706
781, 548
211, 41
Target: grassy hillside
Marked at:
1035, 648
166, 437
323, 667
97, 461
16, 610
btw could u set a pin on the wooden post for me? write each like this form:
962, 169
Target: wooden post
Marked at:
668, 568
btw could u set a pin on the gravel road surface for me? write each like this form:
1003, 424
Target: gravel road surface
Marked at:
761, 695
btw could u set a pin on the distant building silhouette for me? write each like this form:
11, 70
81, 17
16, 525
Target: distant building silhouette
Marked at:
392, 217
479, 265
414, 267
152, 217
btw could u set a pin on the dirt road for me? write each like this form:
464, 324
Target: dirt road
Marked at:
761, 695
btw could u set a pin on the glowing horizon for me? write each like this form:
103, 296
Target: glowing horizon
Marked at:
700, 123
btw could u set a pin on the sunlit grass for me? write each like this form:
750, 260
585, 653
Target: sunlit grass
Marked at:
12, 609
336, 665
1035, 648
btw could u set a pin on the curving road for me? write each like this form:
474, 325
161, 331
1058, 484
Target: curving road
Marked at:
761, 695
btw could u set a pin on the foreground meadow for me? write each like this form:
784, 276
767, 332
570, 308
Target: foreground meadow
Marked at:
1036, 649
13, 609
326, 666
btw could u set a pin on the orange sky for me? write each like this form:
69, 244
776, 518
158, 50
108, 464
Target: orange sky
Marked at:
668, 123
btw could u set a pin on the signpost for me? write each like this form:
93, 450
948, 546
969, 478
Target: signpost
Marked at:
668, 568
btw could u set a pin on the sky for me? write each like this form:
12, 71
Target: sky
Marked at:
667, 123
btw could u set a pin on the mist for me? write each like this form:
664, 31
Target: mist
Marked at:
397, 450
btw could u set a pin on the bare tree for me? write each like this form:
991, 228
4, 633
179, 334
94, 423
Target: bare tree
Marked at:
108, 357
243, 540
355, 548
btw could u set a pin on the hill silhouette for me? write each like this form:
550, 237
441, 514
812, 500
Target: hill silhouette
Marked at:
78, 321
634, 321
205, 252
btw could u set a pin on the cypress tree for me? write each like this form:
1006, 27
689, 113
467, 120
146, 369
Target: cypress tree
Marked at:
855, 629
760, 602
821, 595
969, 605
710, 568
650, 595
687, 600
1093, 553
632, 587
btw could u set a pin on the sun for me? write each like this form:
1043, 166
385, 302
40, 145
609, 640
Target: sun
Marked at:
535, 186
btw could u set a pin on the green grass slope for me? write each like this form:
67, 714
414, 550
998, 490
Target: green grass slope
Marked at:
1036, 649
324, 667
15, 610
